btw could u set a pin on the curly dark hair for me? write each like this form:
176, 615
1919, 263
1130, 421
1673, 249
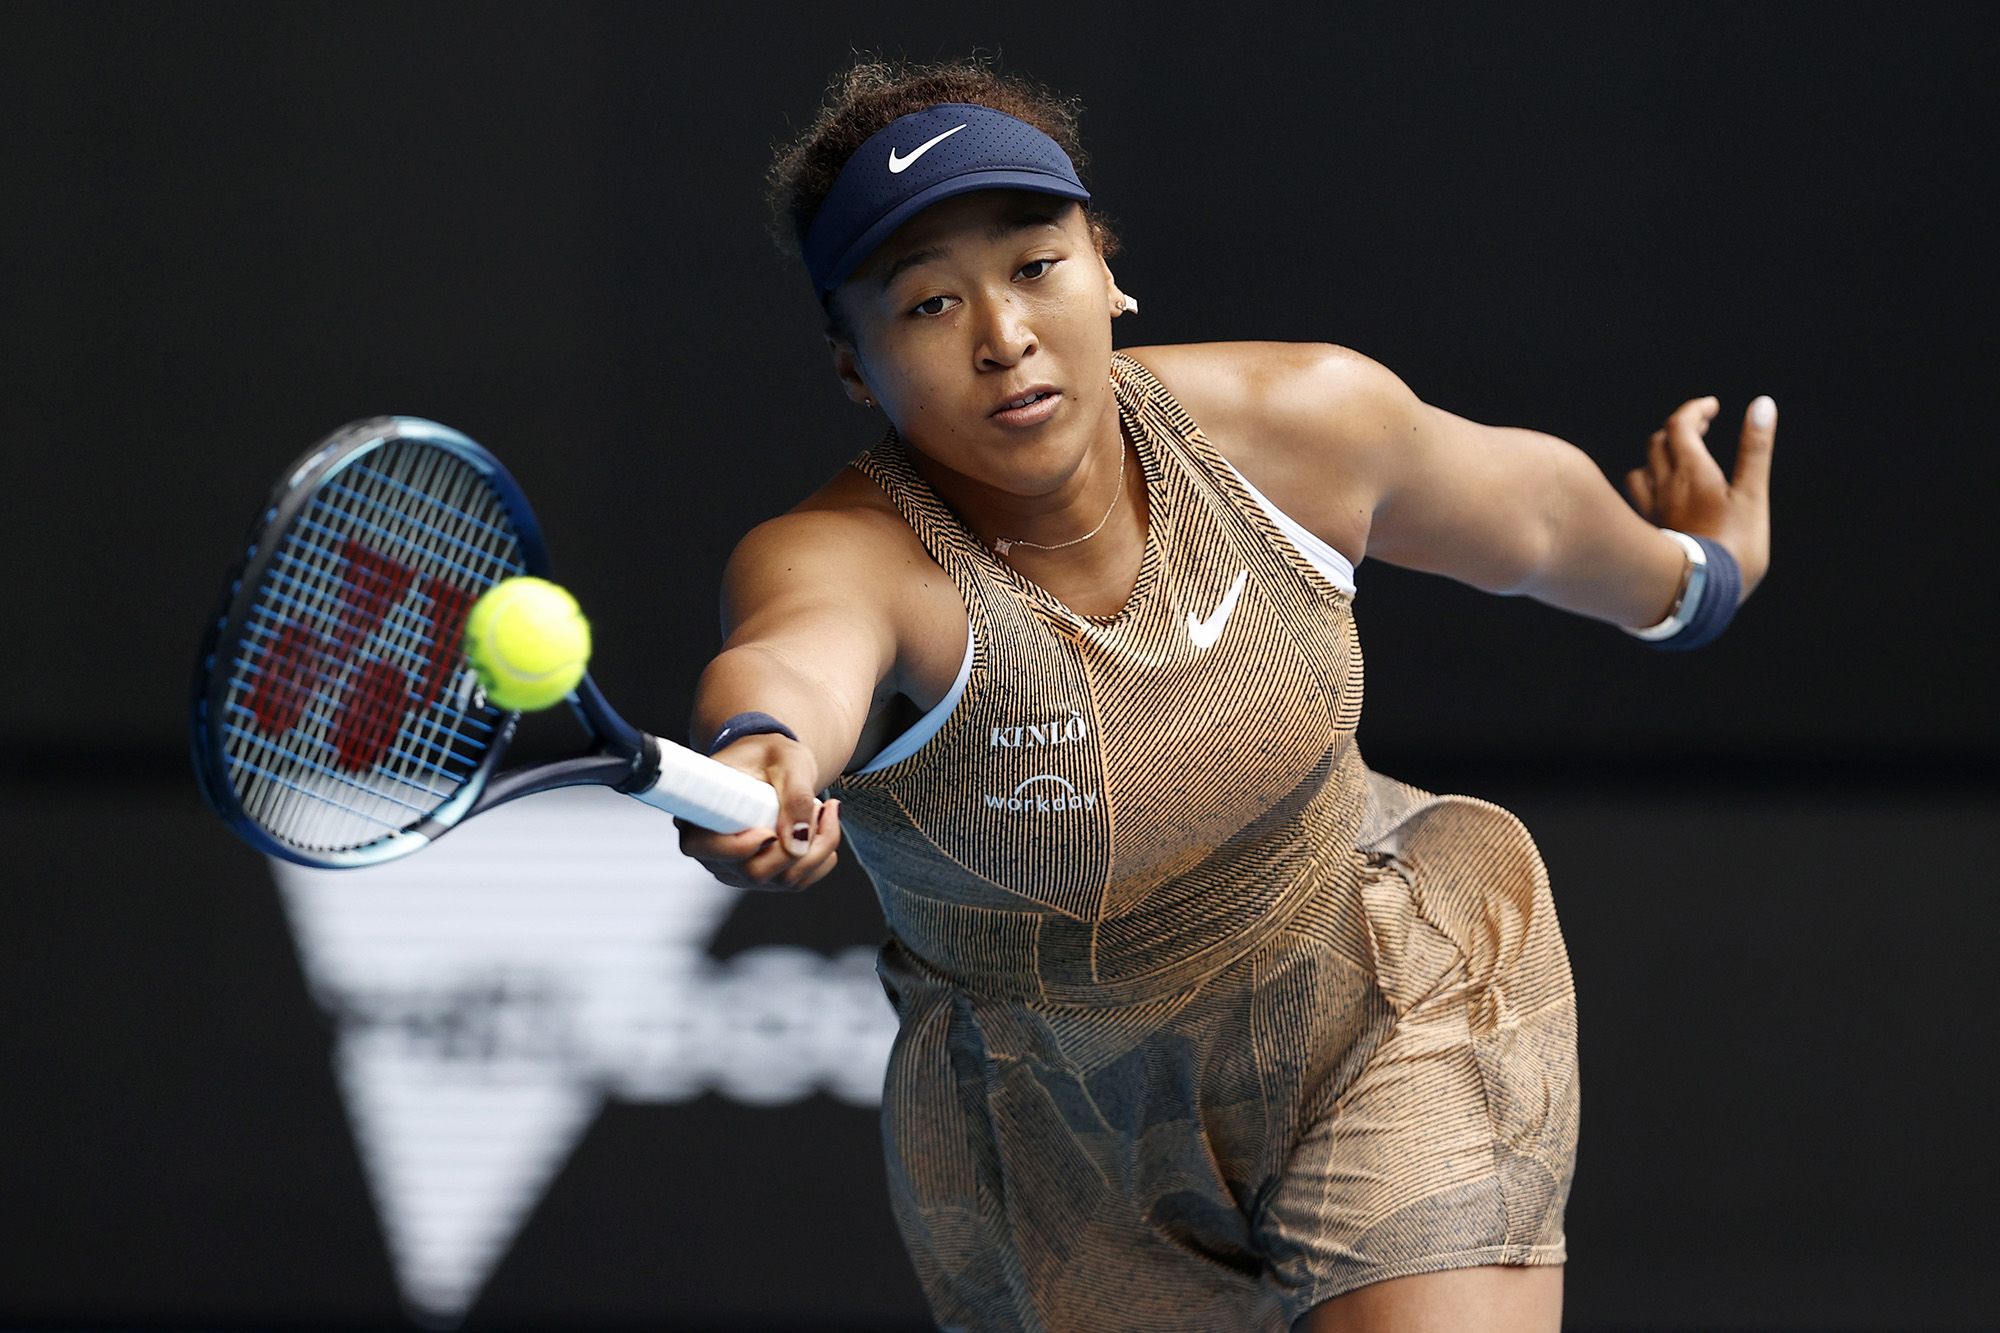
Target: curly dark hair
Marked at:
866, 96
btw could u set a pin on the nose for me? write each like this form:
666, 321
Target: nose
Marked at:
1004, 338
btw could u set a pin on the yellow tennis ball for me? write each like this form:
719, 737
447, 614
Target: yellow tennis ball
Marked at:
529, 643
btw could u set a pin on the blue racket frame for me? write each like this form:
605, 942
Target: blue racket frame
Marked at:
624, 757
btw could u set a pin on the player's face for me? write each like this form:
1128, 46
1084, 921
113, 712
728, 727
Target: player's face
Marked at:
972, 306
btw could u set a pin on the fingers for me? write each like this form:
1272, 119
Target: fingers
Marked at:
799, 849
820, 854
772, 864
707, 845
728, 856
1695, 414
1680, 477
798, 808
1684, 488
1755, 445
1639, 485
766, 868
1685, 430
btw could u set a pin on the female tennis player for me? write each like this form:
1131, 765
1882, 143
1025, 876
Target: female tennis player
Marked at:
1203, 1024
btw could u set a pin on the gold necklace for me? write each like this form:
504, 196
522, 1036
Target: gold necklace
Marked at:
1002, 545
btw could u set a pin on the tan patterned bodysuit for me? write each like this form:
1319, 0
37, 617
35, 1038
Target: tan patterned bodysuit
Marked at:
1202, 1022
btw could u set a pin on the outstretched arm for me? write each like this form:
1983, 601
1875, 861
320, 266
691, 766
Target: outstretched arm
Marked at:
1523, 513
1344, 447
810, 645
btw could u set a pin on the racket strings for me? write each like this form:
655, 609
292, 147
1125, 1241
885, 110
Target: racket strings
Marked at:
350, 713
360, 728
321, 599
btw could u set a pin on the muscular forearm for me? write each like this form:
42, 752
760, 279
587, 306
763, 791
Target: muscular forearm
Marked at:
1598, 557
759, 677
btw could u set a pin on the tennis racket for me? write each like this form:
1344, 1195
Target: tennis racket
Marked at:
336, 722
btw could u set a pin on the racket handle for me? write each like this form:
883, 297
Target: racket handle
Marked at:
711, 794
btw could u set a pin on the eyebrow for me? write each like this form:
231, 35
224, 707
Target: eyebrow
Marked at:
1025, 220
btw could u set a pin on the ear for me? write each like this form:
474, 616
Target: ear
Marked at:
1120, 303
847, 368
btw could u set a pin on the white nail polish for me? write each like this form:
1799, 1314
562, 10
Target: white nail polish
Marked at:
1763, 411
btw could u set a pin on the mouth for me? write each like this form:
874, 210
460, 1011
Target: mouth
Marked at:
1028, 409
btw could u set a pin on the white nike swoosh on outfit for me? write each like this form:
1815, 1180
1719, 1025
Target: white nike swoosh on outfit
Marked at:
898, 164
1206, 632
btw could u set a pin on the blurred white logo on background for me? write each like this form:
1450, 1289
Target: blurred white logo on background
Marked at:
489, 994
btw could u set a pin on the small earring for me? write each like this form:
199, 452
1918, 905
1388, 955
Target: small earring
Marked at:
867, 401
1127, 305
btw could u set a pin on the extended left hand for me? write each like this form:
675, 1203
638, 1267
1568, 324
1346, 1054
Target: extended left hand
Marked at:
1682, 485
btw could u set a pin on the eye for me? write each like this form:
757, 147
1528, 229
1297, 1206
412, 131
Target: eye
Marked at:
932, 307
1039, 267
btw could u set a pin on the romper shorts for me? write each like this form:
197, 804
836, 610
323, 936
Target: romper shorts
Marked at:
1386, 1086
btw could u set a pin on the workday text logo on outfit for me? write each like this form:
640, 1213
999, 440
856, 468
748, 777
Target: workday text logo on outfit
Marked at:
1043, 794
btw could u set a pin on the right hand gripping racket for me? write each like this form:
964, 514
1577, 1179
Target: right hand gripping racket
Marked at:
336, 722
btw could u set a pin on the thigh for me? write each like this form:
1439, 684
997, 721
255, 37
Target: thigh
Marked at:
1491, 1299
1453, 1149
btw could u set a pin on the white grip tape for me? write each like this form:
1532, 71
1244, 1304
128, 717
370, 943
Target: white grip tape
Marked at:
711, 794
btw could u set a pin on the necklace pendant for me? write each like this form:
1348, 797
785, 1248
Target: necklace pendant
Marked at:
1001, 545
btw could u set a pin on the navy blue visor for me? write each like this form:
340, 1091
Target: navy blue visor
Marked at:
925, 157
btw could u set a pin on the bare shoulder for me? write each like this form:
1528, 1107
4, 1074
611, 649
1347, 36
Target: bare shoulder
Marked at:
843, 543
1254, 398
1312, 425
843, 561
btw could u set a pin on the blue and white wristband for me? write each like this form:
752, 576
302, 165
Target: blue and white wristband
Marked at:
748, 724
1707, 602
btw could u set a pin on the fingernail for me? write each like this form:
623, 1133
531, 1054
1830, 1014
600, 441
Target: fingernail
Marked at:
801, 835
1763, 412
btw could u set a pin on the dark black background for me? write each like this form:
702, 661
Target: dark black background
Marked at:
226, 229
